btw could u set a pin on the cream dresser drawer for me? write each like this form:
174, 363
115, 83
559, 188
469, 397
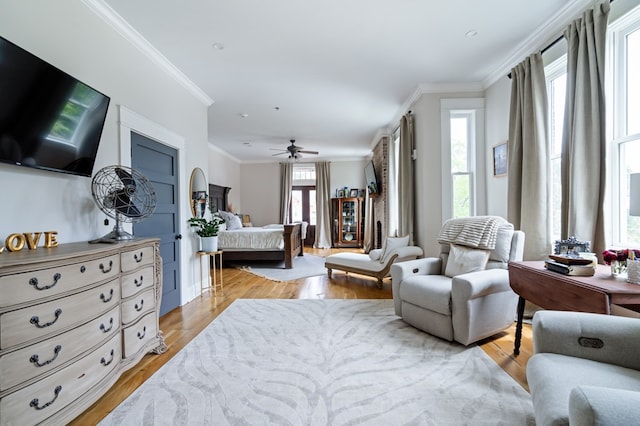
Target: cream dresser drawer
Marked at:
26, 363
139, 280
138, 334
34, 285
131, 260
42, 399
135, 307
39, 321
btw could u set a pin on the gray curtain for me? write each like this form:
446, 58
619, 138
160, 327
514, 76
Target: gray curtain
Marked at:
286, 179
528, 159
583, 140
367, 240
405, 179
323, 207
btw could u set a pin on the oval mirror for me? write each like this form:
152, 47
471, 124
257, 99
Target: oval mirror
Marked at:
198, 189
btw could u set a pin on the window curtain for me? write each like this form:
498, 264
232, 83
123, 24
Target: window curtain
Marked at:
286, 179
528, 159
405, 178
323, 207
393, 189
583, 141
367, 239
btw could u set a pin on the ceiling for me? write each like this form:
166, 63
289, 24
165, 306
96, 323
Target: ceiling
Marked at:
333, 74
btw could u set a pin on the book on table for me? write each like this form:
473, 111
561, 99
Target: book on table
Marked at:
566, 269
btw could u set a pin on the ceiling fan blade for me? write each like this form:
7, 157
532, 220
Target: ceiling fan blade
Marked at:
280, 153
309, 152
277, 149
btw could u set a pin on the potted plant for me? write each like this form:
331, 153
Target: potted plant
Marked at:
207, 230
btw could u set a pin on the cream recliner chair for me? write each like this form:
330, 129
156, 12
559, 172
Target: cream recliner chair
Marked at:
463, 294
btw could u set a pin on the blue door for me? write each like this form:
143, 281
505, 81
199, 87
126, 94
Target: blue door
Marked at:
159, 163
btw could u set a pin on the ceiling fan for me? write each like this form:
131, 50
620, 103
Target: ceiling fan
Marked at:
294, 151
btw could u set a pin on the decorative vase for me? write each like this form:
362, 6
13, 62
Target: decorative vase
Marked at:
209, 244
619, 268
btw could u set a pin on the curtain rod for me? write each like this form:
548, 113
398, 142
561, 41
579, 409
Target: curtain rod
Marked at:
553, 43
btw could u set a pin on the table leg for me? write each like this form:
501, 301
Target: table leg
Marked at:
516, 349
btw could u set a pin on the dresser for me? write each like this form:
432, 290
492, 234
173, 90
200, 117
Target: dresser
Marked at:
73, 318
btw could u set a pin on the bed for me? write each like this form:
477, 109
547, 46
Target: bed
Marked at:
271, 242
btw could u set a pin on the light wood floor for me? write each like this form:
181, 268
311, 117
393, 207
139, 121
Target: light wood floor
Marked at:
181, 325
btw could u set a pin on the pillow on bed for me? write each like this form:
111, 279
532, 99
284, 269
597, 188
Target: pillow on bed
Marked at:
233, 221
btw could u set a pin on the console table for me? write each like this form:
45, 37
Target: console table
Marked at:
552, 290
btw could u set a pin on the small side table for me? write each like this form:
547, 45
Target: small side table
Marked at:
205, 272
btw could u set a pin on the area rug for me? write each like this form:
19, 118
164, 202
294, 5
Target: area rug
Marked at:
303, 267
323, 362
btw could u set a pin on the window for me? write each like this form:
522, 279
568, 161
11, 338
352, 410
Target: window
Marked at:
461, 163
556, 75
303, 194
392, 183
624, 107
462, 134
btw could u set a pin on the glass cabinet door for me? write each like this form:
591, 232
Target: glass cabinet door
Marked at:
349, 219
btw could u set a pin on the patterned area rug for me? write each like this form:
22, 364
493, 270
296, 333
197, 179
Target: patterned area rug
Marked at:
323, 362
303, 267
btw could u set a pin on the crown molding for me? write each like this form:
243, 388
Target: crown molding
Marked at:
111, 17
539, 39
224, 153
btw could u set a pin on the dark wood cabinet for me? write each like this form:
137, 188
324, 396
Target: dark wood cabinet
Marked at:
347, 217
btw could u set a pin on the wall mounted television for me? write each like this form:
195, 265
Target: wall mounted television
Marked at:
48, 119
373, 186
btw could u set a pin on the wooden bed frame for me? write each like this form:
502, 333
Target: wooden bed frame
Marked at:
293, 246
293, 243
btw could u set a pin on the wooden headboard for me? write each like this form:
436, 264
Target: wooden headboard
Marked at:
218, 197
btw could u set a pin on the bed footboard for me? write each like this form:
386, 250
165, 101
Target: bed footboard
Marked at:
293, 244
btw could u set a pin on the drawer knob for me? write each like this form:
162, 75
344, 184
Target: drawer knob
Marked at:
104, 328
137, 258
105, 362
36, 321
106, 271
36, 404
35, 359
104, 298
144, 331
139, 308
34, 282
138, 283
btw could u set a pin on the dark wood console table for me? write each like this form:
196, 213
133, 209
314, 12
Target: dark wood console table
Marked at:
552, 290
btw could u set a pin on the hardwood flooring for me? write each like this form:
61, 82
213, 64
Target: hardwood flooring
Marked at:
181, 325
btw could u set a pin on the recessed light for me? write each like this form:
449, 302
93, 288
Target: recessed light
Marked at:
471, 33
218, 46
243, 115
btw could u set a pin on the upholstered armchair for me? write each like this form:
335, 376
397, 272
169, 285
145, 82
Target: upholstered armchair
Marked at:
464, 294
585, 369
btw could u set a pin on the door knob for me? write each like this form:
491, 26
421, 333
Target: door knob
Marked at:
179, 237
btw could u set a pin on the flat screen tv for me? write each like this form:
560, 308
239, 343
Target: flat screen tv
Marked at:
48, 119
373, 186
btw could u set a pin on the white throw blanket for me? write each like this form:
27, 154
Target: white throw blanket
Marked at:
476, 231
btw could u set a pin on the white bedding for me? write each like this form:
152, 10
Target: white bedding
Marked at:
268, 237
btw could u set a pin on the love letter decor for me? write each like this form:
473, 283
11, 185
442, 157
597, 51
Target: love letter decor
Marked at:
16, 242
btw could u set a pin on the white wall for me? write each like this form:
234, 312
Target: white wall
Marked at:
224, 170
497, 101
70, 36
347, 173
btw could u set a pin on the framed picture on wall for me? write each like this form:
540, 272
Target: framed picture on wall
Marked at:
500, 159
